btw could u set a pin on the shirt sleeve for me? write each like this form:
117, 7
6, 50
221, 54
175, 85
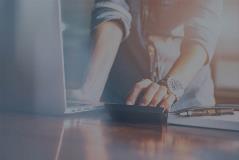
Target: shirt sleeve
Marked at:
204, 26
107, 10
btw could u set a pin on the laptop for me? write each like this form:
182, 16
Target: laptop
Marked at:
36, 80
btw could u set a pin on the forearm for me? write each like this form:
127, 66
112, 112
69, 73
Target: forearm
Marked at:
106, 42
191, 60
201, 32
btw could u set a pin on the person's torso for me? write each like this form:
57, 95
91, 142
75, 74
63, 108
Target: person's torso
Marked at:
161, 17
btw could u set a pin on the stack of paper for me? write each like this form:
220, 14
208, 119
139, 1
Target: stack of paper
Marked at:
225, 122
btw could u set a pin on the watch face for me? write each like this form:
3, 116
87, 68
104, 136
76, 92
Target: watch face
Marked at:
175, 86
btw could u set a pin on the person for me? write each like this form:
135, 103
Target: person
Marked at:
153, 52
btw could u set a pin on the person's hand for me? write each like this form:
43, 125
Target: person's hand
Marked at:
74, 94
149, 93
79, 95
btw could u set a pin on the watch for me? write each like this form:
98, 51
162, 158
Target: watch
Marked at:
174, 86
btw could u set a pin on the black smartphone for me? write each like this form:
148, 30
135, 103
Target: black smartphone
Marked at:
136, 113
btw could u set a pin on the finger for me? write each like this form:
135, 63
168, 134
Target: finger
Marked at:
137, 90
168, 102
149, 94
159, 96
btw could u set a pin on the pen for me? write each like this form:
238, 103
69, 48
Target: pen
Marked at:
207, 112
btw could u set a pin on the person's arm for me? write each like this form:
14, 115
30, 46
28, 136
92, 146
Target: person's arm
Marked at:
107, 39
197, 49
110, 25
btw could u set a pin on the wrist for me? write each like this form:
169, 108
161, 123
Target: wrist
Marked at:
174, 86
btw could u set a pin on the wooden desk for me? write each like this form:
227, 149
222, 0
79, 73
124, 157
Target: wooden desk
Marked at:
94, 136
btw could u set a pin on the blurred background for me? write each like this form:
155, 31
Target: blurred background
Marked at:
7, 35
76, 17
226, 61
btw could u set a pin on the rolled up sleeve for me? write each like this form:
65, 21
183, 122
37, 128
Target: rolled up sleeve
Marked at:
204, 26
108, 10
